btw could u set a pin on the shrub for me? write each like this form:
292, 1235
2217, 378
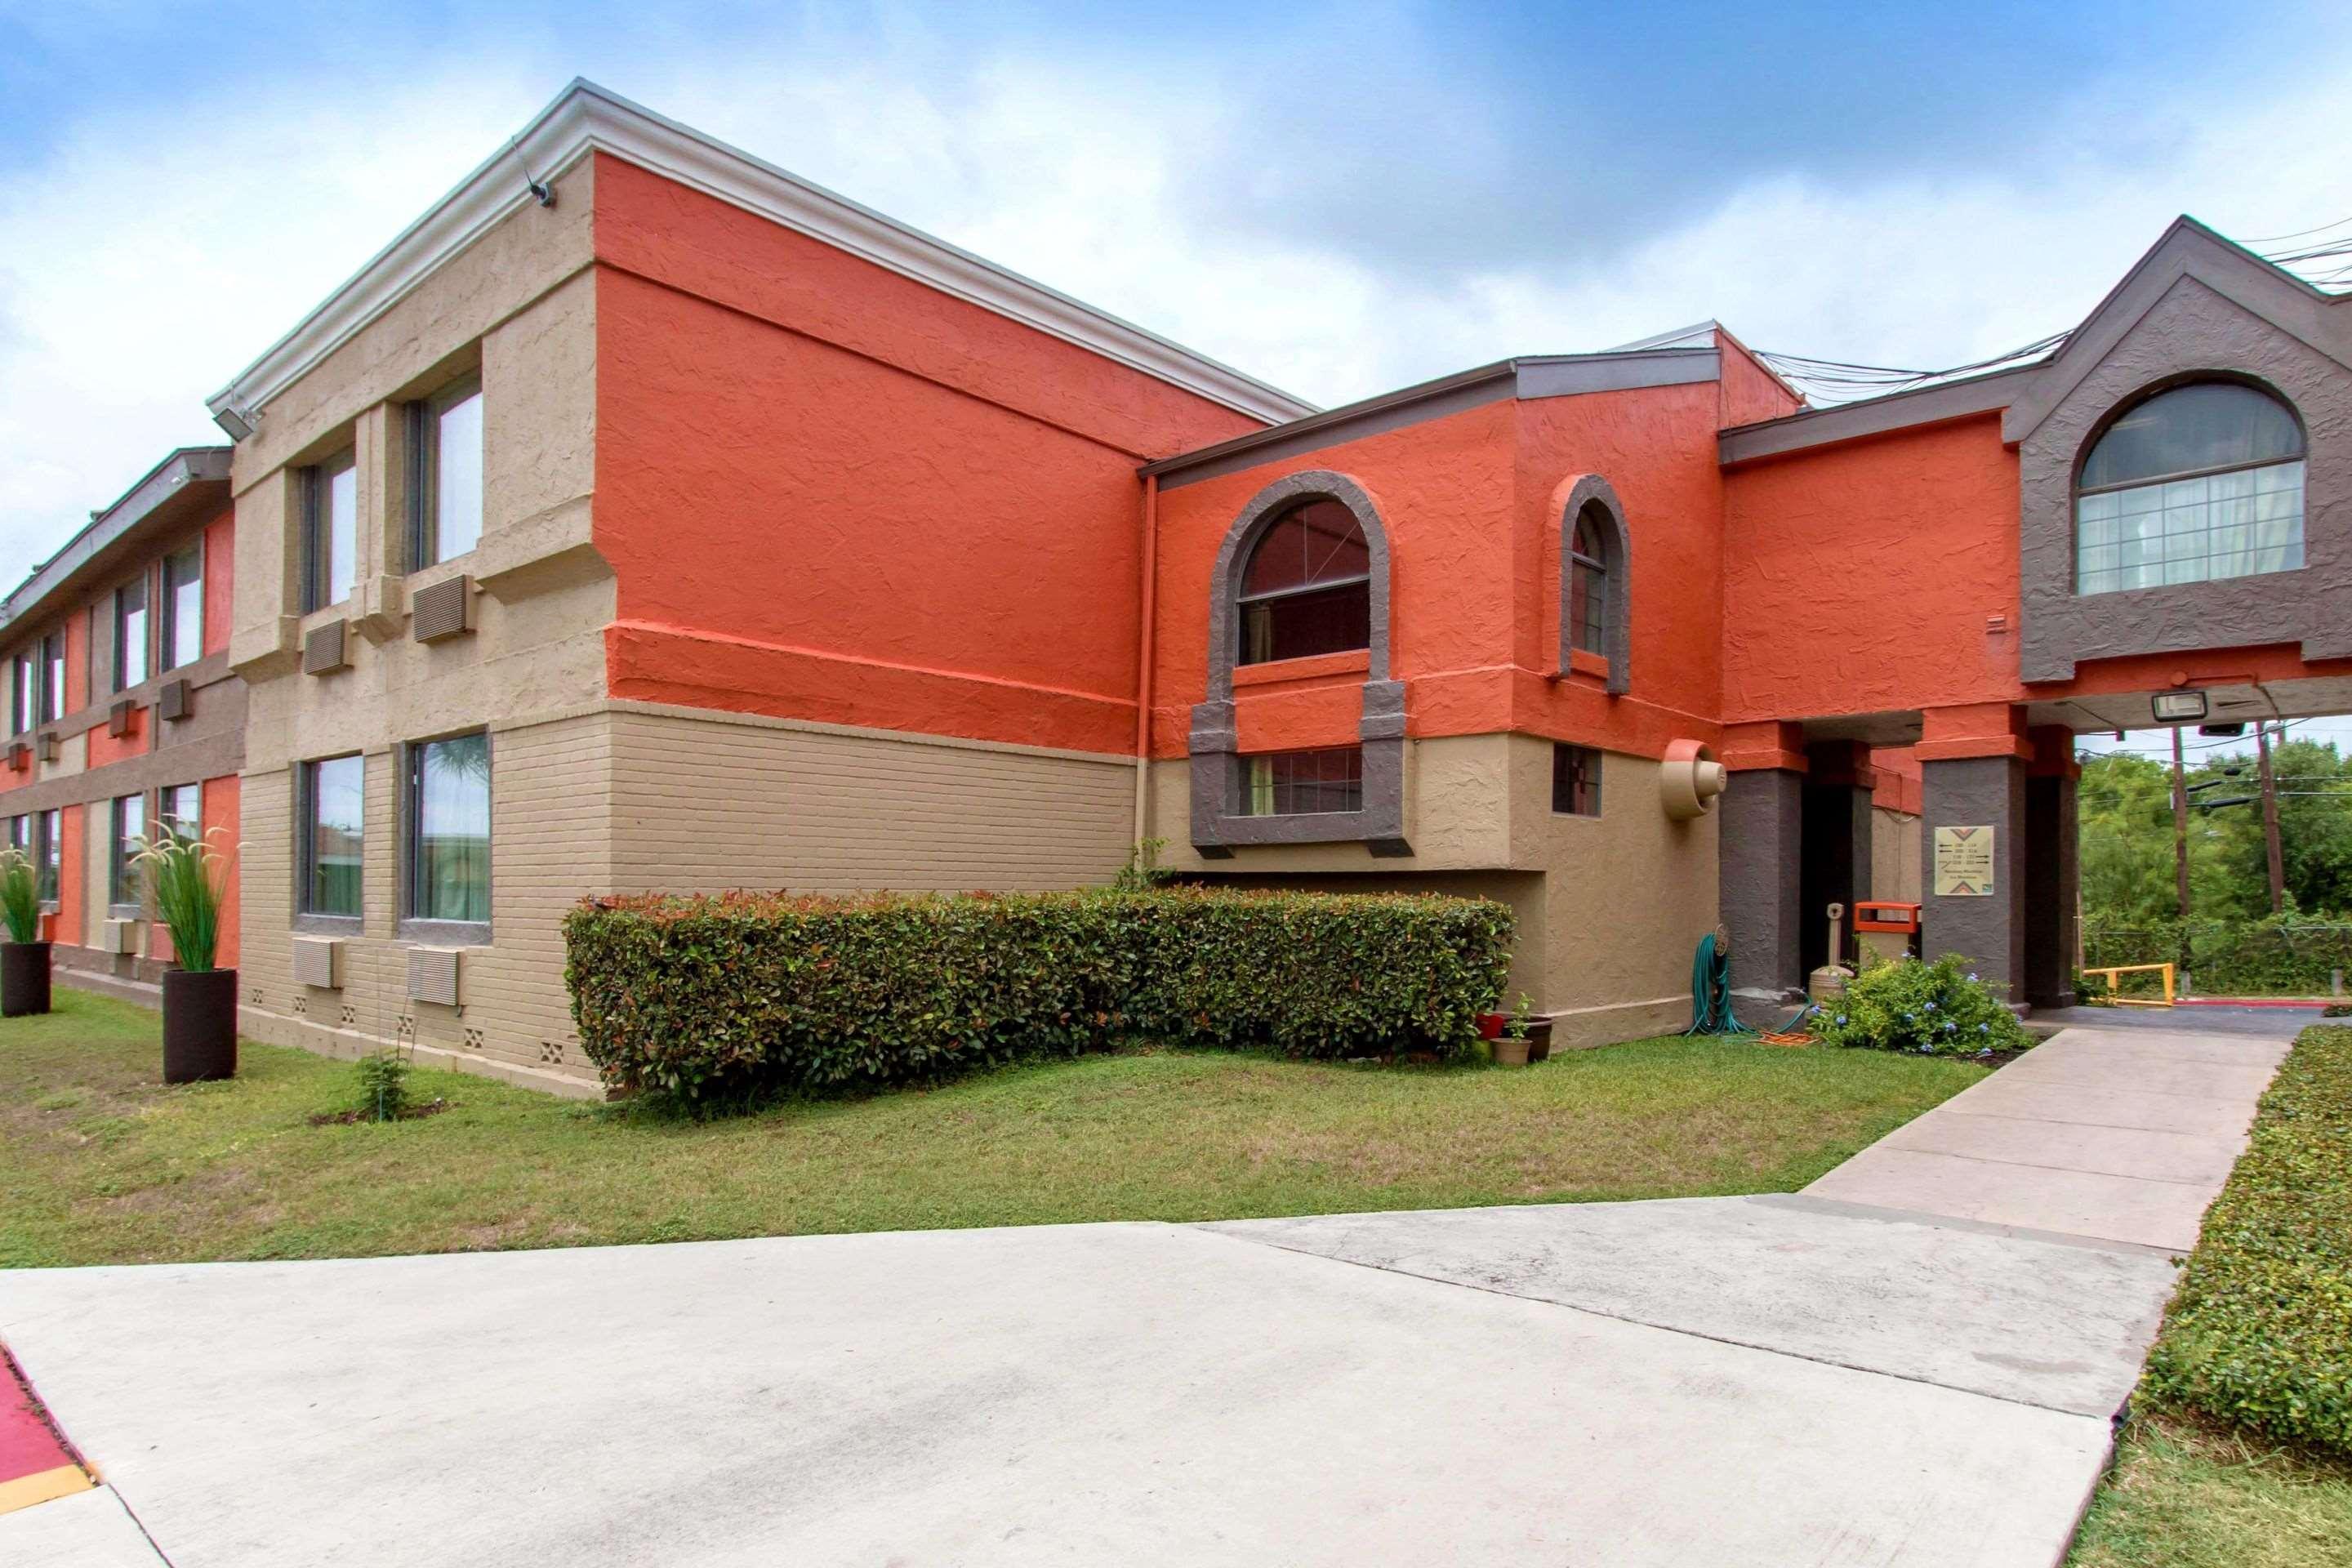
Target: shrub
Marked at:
721, 995
187, 894
384, 1085
20, 896
1935, 1009
2261, 1330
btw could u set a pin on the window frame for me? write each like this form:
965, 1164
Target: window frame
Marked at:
1580, 770
1587, 578
2077, 491
1245, 805
49, 856
24, 684
1245, 601
146, 639
413, 927
167, 618
317, 550
119, 866
306, 850
52, 696
162, 795
424, 417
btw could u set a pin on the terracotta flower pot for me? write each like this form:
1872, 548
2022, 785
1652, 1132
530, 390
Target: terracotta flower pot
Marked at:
199, 1024
1510, 1052
24, 978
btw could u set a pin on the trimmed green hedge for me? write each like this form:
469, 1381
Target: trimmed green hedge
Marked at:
751, 992
2260, 1331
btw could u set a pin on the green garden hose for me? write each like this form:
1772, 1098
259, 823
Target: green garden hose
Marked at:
1711, 1011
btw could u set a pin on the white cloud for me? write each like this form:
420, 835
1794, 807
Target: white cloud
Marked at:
147, 261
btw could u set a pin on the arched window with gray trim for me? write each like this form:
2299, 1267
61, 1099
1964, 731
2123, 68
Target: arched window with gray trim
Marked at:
2198, 482
1596, 583
1303, 572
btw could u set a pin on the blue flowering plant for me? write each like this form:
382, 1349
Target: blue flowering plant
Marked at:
1932, 1009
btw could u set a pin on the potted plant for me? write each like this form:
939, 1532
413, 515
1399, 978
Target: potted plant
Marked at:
1524, 1038
24, 957
199, 1000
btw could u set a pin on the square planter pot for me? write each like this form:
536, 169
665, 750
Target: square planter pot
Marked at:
1540, 1039
199, 1024
24, 978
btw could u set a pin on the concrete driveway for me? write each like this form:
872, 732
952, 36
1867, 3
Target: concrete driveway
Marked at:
1790, 1380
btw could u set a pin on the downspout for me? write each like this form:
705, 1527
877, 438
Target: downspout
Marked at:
1143, 666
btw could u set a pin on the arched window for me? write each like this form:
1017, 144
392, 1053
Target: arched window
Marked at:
1587, 581
2198, 483
1307, 587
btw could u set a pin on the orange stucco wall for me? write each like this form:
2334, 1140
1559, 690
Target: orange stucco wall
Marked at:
221, 834
830, 493
1859, 578
220, 580
68, 925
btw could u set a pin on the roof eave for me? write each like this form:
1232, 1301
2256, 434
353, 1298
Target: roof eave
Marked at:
177, 475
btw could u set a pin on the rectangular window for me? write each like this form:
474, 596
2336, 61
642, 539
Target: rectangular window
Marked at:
20, 835
331, 532
1575, 781
333, 827
20, 690
49, 851
449, 829
130, 834
183, 606
447, 507
180, 811
130, 633
1302, 783
53, 677
2239, 523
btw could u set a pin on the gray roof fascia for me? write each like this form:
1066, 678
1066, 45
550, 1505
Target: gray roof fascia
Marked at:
172, 476
1986, 394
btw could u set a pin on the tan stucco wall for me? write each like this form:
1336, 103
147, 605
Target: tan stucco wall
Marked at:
1608, 909
1895, 847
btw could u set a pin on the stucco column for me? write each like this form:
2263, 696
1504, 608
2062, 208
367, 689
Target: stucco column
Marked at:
2053, 869
1973, 763
1761, 835
1839, 781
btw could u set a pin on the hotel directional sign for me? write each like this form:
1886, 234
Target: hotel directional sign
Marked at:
1964, 862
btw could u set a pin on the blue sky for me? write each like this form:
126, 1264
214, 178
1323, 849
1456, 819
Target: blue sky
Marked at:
1340, 199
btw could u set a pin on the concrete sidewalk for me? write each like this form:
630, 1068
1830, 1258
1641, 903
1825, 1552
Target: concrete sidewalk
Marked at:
1768, 1381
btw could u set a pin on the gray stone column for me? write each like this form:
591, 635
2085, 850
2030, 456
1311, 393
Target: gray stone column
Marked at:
2053, 869
1762, 838
1979, 792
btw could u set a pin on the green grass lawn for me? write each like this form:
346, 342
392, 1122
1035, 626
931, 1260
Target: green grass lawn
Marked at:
2189, 1493
102, 1163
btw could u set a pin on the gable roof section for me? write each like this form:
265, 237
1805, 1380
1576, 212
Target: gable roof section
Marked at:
585, 119
2024, 395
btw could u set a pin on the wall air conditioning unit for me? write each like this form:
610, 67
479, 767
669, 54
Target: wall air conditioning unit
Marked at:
20, 757
174, 700
444, 610
120, 937
46, 745
118, 719
432, 975
318, 962
325, 649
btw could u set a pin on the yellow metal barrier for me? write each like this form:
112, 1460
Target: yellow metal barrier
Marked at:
2113, 970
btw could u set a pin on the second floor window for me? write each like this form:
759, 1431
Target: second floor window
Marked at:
131, 634
448, 477
183, 606
1308, 586
20, 690
1588, 584
2199, 482
53, 677
331, 532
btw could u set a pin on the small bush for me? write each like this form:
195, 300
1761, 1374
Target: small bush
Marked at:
1935, 1009
20, 896
2261, 1330
383, 1086
748, 993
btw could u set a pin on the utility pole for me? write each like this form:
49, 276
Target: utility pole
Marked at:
2180, 832
2270, 818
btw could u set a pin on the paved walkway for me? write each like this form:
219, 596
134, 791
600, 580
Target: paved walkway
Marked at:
1801, 1380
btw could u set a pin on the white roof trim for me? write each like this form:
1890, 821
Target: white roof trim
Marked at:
585, 118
